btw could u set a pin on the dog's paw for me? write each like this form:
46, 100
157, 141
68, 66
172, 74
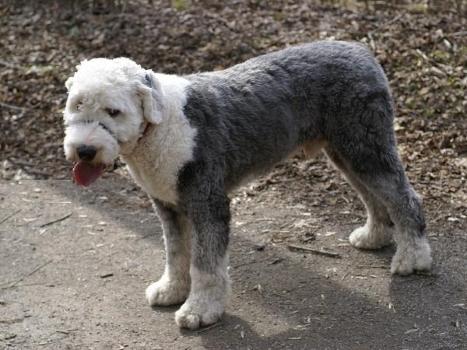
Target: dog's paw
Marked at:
412, 257
199, 311
167, 292
370, 238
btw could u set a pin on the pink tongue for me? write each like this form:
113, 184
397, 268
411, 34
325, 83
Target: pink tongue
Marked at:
86, 173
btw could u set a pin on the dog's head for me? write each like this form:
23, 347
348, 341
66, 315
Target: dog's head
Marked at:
109, 105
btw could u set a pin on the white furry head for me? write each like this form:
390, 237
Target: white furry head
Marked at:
110, 102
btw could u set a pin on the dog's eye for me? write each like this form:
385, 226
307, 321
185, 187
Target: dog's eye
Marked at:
112, 112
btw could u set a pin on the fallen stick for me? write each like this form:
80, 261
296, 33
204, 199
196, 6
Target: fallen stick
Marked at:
26, 167
20, 162
249, 263
461, 33
208, 328
56, 220
12, 284
9, 65
7, 105
9, 216
372, 266
296, 248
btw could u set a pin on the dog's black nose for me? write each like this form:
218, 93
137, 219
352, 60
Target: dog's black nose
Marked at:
86, 152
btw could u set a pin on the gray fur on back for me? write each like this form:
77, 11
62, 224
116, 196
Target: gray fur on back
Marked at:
255, 114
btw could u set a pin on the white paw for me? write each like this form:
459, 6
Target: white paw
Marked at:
199, 310
362, 238
167, 292
415, 256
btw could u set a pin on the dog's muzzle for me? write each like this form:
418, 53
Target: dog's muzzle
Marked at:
101, 124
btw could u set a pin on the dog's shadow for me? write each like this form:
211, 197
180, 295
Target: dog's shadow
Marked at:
384, 254
166, 309
227, 332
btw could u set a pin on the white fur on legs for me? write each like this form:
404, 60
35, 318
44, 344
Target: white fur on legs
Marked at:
174, 285
371, 236
411, 255
206, 302
167, 291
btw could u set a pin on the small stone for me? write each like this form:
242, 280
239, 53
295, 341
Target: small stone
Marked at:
259, 247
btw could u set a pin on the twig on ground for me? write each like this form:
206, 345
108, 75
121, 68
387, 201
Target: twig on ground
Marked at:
12, 284
9, 65
385, 24
27, 167
66, 331
56, 220
296, 248
9, 216
20, 162
249, 263
208, 328
461, 33
36, 172
7, 105
372, 267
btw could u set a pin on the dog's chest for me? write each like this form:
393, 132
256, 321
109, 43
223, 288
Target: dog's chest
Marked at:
156, 162
158, 183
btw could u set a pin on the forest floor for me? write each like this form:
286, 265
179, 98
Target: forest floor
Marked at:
79, 282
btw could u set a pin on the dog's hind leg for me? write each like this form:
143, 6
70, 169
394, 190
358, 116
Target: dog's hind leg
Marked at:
365, 143
208, 210
174, 285
405, 209
379, 229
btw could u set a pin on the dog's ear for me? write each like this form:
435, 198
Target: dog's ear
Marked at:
152, 101
69, 83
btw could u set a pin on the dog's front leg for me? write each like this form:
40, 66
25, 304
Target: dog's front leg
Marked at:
174, 285
210, 283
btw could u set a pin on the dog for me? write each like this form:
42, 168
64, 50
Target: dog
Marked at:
189, 140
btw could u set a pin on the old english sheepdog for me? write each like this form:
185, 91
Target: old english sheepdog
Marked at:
189, 140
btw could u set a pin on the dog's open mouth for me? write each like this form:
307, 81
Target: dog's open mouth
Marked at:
85, 173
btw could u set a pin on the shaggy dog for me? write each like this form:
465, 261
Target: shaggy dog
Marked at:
189, 140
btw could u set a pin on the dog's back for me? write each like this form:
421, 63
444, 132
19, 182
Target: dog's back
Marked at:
261, 110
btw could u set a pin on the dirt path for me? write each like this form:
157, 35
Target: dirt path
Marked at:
79, 283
